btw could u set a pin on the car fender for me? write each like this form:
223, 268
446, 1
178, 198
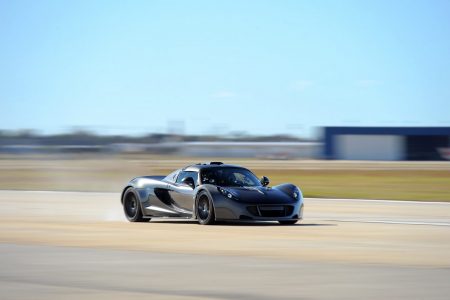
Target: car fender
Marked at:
209, 190
288, 188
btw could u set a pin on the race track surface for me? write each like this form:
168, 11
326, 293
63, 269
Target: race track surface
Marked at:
72, 245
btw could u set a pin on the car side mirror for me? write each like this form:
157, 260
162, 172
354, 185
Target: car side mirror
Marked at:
265, 181
189, 181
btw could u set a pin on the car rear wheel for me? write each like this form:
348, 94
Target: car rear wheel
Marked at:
288, 222
131, 207
205, 210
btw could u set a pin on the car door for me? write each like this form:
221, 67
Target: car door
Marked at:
183, 194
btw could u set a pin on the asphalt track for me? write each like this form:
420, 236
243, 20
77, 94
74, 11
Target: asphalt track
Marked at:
70, 245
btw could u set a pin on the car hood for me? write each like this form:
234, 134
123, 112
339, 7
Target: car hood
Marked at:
260, 195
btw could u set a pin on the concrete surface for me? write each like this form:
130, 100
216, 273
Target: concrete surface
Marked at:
56, 245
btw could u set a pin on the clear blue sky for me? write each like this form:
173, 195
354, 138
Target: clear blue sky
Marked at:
262, 67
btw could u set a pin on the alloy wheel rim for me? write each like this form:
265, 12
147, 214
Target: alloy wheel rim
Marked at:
203, 209
131, 206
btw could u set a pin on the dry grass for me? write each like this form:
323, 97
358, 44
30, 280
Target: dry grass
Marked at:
369, 184
427, 182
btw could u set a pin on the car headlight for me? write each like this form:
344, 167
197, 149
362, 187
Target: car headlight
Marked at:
296, 194
226, 193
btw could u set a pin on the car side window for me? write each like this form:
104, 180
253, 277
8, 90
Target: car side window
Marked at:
184, 174
172, 176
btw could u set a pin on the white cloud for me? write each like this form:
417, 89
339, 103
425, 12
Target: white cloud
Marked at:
223, 94
301, 85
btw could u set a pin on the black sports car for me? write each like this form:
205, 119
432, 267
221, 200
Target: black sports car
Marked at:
210, 192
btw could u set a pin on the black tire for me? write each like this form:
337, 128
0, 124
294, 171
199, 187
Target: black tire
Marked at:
288, 222
204, 209
132, 207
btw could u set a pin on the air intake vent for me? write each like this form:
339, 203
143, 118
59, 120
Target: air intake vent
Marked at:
216, 163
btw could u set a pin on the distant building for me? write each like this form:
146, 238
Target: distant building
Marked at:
387, 143
264, 150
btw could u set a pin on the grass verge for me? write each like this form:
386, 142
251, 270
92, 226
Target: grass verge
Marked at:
112, 173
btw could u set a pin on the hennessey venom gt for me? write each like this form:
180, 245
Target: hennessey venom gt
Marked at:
210, 192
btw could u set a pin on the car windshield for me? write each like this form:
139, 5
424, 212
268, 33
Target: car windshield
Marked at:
229, 177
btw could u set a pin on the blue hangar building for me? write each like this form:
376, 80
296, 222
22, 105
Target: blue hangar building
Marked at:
387, 143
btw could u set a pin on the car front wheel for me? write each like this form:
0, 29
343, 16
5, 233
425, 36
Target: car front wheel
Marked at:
205, 210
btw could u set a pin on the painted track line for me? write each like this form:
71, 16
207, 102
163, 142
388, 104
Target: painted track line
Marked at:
378, 201
390, 222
